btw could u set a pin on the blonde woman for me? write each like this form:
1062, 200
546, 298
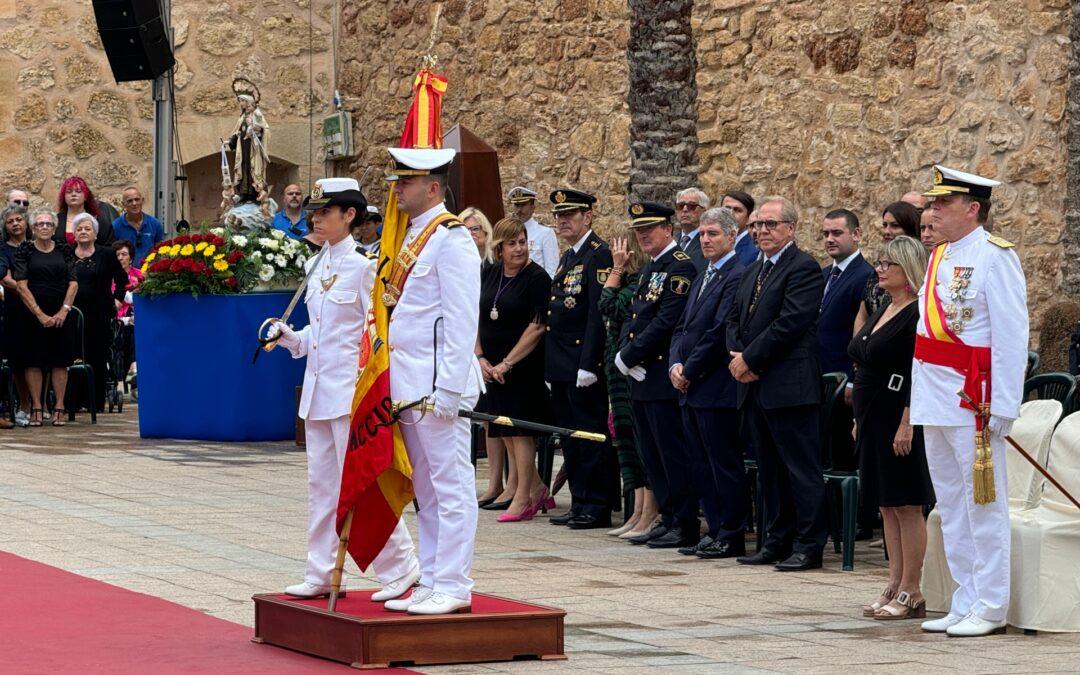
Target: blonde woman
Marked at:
480, 228
892, 458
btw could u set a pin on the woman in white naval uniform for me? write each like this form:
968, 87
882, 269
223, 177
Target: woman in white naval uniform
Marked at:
432, 336
337, 297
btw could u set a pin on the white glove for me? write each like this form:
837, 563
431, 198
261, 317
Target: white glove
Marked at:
638, 373
620, 364
585, 378
1000, 426
286, 336
445, 405
129, 298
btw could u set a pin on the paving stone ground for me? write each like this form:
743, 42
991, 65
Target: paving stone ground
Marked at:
207, 525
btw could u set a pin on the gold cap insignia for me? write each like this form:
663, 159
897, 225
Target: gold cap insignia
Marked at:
560, 197
938, 178
316, 192
637, 209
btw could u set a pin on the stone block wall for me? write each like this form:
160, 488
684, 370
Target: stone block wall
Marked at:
850, 103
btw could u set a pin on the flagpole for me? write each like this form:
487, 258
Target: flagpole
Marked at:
339, 563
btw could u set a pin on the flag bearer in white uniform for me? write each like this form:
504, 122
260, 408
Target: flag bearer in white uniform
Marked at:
972, 336
543, 246
337, 296
434, 299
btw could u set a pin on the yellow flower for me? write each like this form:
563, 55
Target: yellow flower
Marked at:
187, 250
201, 245
219, 256
221, 265
150, 258
209, 250
174, 250
145, 266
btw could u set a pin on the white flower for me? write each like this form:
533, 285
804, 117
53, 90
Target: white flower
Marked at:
279, 260
299, 261
277, 234
239, 240
264, 241
266, 273
256, 255
219, 231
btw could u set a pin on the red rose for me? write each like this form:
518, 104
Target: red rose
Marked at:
183, 239
198, 267
231, 282
207, 272
235, 257
217, 241
160, 266
196, 238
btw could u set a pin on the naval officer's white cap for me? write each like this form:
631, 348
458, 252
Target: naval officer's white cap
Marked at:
950, 182
419, 162
521, 195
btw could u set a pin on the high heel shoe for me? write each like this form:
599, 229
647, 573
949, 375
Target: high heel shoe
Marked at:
497, 506
484, 502
630, 524
544, 502
635, 532
909, 609
870, 610
527, 514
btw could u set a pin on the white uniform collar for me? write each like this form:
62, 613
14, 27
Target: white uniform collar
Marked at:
978, 234
667, 248
341, 248
847, 261
532, 222
426, 217
581, 242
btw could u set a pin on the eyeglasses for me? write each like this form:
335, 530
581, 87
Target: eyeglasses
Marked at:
687, 206
474, 228
21, 202
768, 224
884, 265
45, 224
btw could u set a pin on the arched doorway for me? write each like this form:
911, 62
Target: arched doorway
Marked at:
203, 189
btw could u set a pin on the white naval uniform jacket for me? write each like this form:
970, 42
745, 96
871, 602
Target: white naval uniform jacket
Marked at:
543, 247
443, 284
997, 297
331, 340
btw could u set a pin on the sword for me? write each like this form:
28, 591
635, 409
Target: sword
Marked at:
268, 342
425, 406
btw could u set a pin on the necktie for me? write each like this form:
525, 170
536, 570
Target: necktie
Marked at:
709, 274
828, 284
684, 241
766, 268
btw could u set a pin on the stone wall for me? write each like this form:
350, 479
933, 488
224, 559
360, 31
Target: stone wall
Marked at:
62, 113
850, 103
542, 81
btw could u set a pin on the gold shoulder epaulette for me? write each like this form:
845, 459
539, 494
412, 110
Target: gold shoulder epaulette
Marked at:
452, 223
595, 244
681, 255
1000, 241
370, 255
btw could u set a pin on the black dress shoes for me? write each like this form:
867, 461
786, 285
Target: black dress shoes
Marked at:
589, 522
692, 550
798, 562
497, 506
563, 519
676, 537
721, 549
762, 557
658, 531
484, 502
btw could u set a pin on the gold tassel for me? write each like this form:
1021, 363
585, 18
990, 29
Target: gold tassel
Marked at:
983, 471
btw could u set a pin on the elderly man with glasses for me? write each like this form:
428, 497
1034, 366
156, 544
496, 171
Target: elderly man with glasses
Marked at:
689, 205
18, 197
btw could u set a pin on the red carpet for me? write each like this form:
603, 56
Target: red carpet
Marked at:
359, 604
55, 621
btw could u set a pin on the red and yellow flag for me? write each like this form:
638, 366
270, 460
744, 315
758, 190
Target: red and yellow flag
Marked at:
376, 480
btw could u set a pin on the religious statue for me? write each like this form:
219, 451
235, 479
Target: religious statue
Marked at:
246, 183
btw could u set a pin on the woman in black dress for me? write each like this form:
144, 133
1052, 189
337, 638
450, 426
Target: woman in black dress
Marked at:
892, 458
45, 274
514, 296
102, 281
898, 219
15, 316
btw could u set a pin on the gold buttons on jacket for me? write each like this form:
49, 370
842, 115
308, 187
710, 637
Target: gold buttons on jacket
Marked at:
391, 347
631, 336
577, 342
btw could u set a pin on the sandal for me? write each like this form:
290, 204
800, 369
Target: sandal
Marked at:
902, 607
35, 417
870, 610
58, 417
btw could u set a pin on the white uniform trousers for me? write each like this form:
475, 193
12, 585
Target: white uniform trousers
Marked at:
445, 486
976, 536
327, 441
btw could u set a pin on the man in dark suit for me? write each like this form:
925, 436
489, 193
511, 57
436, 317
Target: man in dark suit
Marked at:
773, 343
845, 281
742, 206
643, 357
689, 205
708, 392
573, 361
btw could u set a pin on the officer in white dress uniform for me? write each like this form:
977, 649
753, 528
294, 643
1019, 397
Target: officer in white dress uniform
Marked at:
435, 312
336, 298
543, 246
973, 310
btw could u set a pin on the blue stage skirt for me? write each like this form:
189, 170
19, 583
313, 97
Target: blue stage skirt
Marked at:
196, 378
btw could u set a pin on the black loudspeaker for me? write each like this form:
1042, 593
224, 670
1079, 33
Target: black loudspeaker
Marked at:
133, 35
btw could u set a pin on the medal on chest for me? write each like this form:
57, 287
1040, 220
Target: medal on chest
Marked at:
572, 282
656, 286
956, 313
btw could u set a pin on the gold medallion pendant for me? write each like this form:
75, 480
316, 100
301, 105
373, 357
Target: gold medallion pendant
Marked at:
327, 283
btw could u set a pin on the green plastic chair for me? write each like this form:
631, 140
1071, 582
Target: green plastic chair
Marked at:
832, 385
1032, 365
1059, 387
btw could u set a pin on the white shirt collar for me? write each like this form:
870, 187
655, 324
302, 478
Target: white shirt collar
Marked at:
847, 261
424, 218
742, 234
776, 256
726, 257
667, 248
692, 233
581, 242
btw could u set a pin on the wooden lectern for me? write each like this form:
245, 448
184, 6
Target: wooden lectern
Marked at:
474, 175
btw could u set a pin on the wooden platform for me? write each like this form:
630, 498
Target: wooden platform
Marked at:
364, 635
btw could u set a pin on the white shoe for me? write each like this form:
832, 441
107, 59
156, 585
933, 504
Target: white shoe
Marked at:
397, 587
973, 626
420, 594
22, 418
440, 603
941, 625
309, 590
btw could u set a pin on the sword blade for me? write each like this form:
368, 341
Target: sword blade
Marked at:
303, 286
425, 407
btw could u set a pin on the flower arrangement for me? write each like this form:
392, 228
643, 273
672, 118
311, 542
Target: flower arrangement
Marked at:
217, 262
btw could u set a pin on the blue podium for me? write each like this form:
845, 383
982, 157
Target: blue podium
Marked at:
196, 378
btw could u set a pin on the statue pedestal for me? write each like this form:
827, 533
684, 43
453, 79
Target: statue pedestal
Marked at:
196, 378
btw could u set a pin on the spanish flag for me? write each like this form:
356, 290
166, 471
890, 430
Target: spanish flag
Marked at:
376, 481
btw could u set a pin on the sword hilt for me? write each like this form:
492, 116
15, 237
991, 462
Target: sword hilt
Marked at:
266, 342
